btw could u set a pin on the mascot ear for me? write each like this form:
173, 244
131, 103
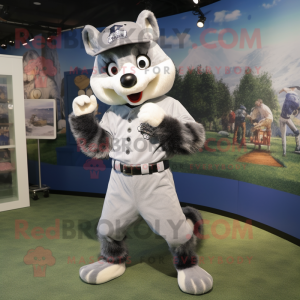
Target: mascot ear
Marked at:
148, 22
91, 39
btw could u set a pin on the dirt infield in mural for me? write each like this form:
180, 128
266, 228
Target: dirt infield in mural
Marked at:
260, 158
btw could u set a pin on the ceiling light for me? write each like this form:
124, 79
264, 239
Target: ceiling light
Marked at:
198, 12
31, 37
51, 35
201, 22
37, 3
196, 1
3, 45
22, 35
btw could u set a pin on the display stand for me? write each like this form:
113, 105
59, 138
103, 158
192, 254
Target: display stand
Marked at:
40, 116
38, 188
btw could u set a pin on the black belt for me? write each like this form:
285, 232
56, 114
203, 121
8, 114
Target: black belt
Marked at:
136, 169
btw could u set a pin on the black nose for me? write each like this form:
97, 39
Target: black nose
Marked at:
128, 80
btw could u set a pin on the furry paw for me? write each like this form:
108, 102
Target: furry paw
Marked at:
194, 280
100, 272
152, 114
83, 105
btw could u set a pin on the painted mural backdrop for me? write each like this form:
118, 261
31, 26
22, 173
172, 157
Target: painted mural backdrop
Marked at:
229, 75
231, 79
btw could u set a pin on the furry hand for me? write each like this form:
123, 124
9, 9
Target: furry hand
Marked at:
152, 114
83, 105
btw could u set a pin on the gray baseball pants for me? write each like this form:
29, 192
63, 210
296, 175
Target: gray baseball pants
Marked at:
152, 197
288, 122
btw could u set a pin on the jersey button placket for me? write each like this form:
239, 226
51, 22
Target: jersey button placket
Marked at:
128, 138
129, 121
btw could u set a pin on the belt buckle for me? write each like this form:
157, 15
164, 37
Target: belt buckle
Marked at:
126, 173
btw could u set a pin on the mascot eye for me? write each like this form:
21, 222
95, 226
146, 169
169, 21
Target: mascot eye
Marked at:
143, 62
112, 69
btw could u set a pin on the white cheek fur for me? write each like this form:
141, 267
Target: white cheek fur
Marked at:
162, 83
154, 82
107, 96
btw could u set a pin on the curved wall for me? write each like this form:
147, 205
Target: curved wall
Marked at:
274, 208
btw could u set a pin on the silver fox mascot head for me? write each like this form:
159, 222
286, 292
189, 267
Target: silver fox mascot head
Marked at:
130, 67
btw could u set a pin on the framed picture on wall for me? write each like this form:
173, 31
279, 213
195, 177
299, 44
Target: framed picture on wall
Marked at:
40, 119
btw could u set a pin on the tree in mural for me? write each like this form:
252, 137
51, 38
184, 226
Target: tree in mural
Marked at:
268, 94
202, 95
253, 87
191, 96
208, 90
244, 92
224, 99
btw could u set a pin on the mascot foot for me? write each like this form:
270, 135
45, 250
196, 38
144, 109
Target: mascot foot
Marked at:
101, 271
194, 280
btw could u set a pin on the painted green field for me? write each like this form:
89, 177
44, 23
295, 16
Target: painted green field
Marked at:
223, 162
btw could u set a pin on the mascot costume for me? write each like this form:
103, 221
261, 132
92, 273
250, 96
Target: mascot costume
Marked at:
140, 131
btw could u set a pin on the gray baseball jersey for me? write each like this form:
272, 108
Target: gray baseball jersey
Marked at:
130, 146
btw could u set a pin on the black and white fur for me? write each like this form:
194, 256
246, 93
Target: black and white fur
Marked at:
90, 137
185, 255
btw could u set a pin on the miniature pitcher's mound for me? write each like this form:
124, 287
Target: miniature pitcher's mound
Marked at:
260, 158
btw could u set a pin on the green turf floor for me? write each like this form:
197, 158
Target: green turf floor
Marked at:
273, 271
